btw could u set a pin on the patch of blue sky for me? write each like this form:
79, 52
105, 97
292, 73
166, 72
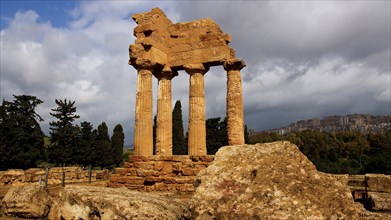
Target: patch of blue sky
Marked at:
58, 12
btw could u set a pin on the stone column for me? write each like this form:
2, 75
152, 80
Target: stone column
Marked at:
235, 117
197, 128
143, 144
164, 113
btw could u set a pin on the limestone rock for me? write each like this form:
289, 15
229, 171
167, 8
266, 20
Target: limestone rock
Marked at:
380, 201
12, 176
82, 202
26, 201
269, 181
378, 182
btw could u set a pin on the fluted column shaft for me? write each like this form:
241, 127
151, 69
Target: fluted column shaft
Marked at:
197, 127
143, 140
235, 117
164, 115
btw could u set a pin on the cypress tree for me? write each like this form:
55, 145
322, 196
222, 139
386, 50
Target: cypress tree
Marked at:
178, 139
103, 146
117, 144
84, 151
64, 135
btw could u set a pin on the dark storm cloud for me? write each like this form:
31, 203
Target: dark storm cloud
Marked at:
306, 59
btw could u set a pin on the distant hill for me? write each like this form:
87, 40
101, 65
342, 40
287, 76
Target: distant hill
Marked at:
357, 122
128, 149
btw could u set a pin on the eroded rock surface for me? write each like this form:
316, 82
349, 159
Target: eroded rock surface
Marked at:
26, 202
269, 181
83, 202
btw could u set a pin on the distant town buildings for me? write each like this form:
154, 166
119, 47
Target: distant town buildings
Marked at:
363, 123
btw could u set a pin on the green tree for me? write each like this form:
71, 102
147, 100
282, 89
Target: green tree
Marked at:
378, 157
21, 140
264, 137
3, 138
64, 134
178, 138
103, 146
216, 134
85, 149
117, 144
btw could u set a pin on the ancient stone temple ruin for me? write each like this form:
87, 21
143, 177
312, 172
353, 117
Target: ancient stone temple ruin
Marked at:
161, 49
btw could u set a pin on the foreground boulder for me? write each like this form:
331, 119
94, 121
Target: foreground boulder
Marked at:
84, 202
26, 202
269, 181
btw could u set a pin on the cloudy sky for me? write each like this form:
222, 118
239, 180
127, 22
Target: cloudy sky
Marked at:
304, 59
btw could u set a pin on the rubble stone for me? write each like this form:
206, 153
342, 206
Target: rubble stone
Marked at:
269, 181
26, 202
83, 202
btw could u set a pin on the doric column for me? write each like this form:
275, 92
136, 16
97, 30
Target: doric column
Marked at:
197, 128
143, 144
235, 118
164, 113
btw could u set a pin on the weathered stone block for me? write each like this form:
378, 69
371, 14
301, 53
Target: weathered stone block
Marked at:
195, 158
145, 173
177, 167
378, 182
144, 165
169, 180
131, 172
185, 187
201, 165
135, 158
135, 181
164, 167
357, 181
188, 172
189, 188
149, 188
207, 158
180, 158
128, 165
163, 158
152, 180
188, 165
27, 202
183, 180
197, 170
116, 178
121, 171
380, 201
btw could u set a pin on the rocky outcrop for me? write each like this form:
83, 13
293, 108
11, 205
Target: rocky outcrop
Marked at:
83, 202
269, 181
26, 202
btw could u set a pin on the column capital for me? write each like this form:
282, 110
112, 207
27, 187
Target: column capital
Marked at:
195, 68
144, 64
234, 64
166, 73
